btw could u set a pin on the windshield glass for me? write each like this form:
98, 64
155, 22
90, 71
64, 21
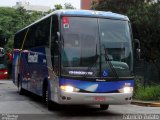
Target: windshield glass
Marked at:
116, 47
94, 47
80, 49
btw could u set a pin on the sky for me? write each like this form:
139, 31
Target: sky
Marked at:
50, 3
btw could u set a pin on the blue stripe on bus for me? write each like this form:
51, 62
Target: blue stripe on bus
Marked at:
96, 86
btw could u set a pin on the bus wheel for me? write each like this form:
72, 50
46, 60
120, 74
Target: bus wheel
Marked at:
104, 107
20, 89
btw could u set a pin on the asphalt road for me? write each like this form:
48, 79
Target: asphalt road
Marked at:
26, 107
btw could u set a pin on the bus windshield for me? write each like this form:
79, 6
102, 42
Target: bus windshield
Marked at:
95, 47
115, 40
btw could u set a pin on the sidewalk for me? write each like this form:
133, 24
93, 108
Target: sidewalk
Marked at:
146, 103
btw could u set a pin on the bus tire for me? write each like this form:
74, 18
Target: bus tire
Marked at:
104, 107
20, 89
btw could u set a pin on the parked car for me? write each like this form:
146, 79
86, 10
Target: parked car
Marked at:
3, 71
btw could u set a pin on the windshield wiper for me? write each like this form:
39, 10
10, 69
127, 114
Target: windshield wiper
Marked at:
94, 63
90, 67
107, 59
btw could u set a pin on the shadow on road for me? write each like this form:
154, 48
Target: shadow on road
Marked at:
85, 111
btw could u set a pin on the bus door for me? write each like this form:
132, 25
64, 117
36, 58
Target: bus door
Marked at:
55, 46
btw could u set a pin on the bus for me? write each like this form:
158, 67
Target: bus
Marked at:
72, 57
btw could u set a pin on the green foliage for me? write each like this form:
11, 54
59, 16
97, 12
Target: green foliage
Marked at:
149, 93
138, 84
9, 45
58, 6
6, 21
12, 20
68, 6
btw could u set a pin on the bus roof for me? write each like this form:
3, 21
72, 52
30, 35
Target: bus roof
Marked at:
93, 13
83, 13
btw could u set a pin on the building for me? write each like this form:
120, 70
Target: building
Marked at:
86, 4
26, 5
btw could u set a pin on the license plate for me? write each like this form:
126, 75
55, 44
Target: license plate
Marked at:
100, 99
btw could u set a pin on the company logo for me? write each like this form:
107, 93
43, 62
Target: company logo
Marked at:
33, 58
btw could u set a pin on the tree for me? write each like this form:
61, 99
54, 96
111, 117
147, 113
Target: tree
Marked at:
68, 6
12, 20
58, 6
6, 17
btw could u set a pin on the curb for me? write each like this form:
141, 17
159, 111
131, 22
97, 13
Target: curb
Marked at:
147, 104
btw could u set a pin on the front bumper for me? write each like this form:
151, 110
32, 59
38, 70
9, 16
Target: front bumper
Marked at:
94, 98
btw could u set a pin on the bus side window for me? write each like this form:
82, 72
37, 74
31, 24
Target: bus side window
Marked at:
42, 33
55, 45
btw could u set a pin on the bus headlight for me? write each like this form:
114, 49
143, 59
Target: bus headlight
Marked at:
68, 88
126, 89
